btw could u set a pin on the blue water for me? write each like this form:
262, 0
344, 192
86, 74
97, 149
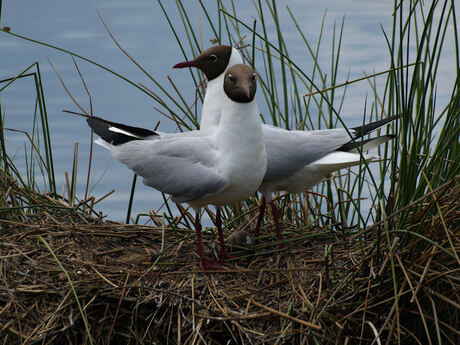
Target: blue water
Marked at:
140, 27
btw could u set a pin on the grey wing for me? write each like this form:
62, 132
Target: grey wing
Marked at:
289, 151
182, 167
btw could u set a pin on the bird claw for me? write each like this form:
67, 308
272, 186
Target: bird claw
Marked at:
209, 265
226, 256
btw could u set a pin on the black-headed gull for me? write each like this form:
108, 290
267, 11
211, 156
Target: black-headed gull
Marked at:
296, 160
218, 167
213, 62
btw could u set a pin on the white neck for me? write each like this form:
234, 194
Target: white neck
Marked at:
212, 104
240, 124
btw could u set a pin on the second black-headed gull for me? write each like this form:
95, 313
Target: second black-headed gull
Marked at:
218, 167
296, 160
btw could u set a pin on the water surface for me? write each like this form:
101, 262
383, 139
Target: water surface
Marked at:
142, 30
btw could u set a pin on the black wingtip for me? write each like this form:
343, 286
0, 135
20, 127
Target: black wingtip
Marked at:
104, 129
75, 113
363, 130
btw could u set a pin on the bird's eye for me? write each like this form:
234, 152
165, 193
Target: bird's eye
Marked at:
253, 77
231, 78
213, 57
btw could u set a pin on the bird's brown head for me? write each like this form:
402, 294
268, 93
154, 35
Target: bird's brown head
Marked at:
240, 83
212, 61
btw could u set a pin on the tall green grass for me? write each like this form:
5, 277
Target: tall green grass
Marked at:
37, 150
428, 154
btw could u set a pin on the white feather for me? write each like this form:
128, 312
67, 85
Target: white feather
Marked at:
104, 144
119, 130
373, 143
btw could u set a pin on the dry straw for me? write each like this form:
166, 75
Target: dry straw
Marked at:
142, 285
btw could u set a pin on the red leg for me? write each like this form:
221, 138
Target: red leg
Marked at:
205, 263
277, 222
223, 250
263, 205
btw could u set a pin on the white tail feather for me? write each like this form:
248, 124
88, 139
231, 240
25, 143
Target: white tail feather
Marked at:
104, 144
372, 143
338, 160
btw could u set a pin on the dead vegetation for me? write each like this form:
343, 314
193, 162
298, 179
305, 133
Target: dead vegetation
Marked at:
101, 282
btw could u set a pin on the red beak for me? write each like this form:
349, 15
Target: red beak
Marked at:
190, 63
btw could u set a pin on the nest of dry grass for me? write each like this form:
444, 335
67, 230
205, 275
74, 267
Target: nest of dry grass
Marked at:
321, 288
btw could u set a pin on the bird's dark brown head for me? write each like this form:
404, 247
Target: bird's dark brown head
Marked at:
240, 83
212, 61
